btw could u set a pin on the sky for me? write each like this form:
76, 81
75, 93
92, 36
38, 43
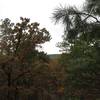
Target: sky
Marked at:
38, 11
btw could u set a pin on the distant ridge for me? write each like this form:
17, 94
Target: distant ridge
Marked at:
54, 56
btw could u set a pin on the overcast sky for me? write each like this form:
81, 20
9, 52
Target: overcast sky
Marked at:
38, 11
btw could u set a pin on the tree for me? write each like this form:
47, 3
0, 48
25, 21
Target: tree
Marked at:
81, 46
93, 7
77, 24
83, 71
22, 67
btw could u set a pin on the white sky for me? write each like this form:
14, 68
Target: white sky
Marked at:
38, 11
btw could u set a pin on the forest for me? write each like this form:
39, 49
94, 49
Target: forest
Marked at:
26, 73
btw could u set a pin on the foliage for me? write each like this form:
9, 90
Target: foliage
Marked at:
93, 6
83, 71
79, 24
24, 71
81, 46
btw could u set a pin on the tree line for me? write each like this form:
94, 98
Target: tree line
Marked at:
29, 74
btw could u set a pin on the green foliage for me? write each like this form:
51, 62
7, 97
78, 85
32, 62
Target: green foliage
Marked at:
81, 46
93, 6
82, 66
78, 24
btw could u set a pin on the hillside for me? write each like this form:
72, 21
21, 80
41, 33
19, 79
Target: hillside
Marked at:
54, 56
